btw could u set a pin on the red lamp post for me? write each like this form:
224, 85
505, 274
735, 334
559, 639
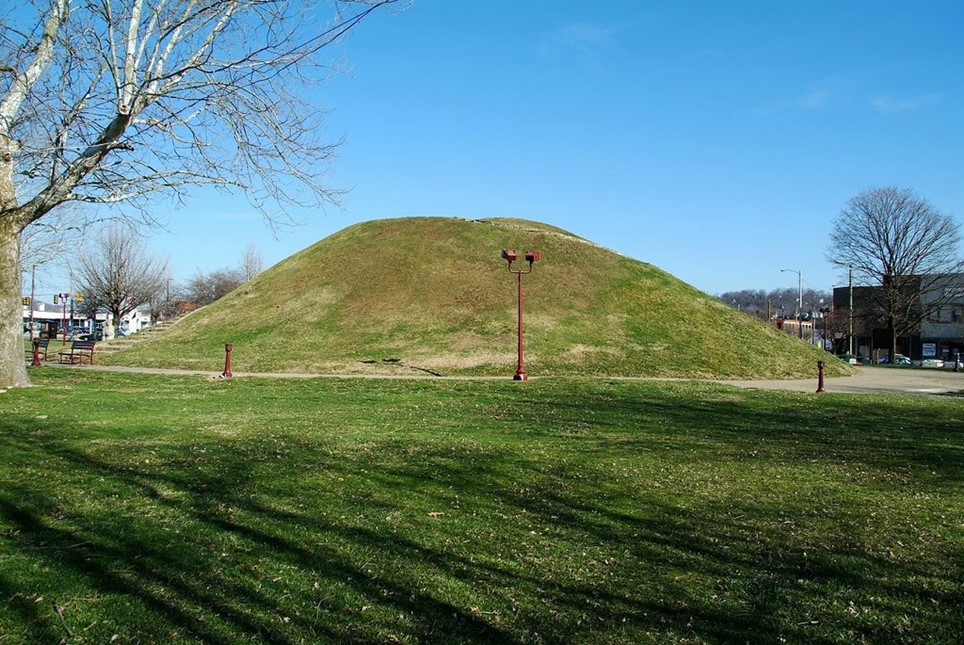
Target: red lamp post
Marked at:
510, 256
64, 297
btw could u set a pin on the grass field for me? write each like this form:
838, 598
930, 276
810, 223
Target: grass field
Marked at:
138, 508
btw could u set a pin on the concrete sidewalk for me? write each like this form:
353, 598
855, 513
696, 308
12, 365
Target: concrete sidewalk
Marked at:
894, 380
868, 379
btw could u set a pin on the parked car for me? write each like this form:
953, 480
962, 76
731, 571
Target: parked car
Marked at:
899, 359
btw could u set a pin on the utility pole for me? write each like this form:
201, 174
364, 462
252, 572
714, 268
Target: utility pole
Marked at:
850, 324
799, 273
33, 286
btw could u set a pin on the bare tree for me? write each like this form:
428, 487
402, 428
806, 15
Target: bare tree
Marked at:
117, 273
252, 263
108, 101
51, 240
205, 288
900, 244
762, 304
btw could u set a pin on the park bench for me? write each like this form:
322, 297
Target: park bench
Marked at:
42, 345
80, 351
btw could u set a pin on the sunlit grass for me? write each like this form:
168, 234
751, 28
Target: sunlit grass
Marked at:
183, 509
429, 293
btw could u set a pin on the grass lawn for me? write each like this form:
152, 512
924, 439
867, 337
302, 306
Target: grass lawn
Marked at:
141, 508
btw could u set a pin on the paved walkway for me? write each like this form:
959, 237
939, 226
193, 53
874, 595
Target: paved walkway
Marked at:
895, 380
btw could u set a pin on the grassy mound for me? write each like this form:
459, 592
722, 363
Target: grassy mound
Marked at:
432, 294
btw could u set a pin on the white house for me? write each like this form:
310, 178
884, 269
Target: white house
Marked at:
49, 320
135, 321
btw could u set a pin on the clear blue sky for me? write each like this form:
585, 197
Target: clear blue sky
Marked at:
716, 140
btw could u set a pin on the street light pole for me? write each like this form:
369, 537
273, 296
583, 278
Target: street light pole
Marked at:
33, 285
850, 322
799, 273
530, 256
850, 314
63, 298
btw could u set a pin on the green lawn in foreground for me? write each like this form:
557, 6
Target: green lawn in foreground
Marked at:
179, 509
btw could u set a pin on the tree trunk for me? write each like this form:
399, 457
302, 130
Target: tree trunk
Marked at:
893, 344
13, 370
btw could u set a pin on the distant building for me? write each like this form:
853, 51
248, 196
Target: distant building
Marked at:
49, 320
134, 321
939, 333
802, 328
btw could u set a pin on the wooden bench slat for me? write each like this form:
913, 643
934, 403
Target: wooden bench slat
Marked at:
42, 345
78, 352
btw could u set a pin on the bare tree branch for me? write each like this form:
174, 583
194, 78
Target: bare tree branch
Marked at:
899, 243
117, 273
107, 101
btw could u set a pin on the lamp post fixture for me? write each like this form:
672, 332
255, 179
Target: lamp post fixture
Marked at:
850, 310
63, 298
33, 283
799, 273
510, 256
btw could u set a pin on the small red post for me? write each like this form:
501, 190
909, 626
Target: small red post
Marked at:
36, 353
227, 361
820, 387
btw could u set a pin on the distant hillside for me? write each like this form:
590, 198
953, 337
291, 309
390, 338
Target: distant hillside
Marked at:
432, 294
777, 302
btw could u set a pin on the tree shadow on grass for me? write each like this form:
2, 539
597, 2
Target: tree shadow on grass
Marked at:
180, 581
882, 432
482, 542
720, 572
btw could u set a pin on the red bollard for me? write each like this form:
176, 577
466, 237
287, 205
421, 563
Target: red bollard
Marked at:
36, 353
820, 377
227, 361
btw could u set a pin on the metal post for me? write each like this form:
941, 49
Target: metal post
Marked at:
36, 353
826, 329
530, 257
850, 325
957, 360
820, 377
520, 373
799, 273
33, 284
227, 361
65, 316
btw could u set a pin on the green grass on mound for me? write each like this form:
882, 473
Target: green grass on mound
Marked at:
433, 294
156, 509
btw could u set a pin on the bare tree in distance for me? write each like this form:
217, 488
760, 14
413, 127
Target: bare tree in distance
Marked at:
117, 272
108, 102
205, 288
252, 263
896, 241
51, 240
776, 302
